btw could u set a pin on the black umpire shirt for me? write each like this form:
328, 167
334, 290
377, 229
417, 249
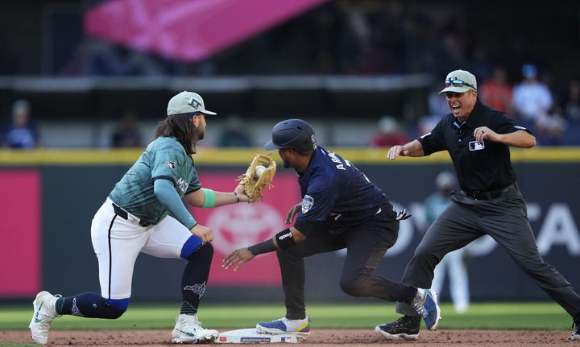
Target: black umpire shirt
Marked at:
479, 166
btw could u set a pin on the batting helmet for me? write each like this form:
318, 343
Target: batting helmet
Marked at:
293, 133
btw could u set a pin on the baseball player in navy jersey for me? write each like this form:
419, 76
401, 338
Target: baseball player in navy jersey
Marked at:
340, 208
478, 138
135, 219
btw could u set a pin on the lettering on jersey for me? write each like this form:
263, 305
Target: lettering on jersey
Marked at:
476, 146
335, 159
194, 103
182, 185
171, 165
335, 216
307, 203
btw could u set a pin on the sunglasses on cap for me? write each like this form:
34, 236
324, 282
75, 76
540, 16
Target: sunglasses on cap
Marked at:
457, 83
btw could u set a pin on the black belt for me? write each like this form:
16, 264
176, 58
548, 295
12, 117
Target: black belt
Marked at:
123, 214
486, 195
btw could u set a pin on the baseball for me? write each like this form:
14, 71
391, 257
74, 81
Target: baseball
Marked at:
259, 171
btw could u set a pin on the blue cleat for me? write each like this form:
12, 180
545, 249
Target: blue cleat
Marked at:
425, 303
300, 327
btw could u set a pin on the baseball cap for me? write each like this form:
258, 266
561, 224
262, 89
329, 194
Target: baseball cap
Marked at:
459, 81
186, 102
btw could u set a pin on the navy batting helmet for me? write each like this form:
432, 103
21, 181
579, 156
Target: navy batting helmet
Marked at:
293, 133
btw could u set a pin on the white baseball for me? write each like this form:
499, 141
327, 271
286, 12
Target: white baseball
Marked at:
260, 170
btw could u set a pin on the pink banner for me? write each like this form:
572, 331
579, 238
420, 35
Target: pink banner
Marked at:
20, 248
242, 225
188, 30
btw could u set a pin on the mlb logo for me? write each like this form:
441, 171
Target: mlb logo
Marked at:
476, 146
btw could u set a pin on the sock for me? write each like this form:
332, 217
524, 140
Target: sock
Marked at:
195, 278
90, 305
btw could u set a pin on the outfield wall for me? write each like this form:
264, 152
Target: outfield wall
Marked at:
49, 197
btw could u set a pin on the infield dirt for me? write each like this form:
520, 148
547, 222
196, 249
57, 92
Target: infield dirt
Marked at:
318, 338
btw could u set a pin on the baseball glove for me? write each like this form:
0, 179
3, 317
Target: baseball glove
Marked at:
258, 176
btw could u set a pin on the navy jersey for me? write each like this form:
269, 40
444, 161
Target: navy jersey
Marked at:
336, 194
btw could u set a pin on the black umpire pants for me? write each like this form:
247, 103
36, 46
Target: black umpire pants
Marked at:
503, 218
366, 245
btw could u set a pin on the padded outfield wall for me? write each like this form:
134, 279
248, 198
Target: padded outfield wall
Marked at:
48, 199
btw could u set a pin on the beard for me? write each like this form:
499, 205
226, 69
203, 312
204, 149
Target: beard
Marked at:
198, 134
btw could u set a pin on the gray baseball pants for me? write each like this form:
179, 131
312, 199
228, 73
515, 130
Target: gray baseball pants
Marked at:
503, 218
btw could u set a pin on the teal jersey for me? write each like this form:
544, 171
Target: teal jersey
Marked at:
164, 158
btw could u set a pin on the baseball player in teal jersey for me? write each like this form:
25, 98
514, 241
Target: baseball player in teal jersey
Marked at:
135, 218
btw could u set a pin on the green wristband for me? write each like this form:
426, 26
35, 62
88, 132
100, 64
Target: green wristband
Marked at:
209, 200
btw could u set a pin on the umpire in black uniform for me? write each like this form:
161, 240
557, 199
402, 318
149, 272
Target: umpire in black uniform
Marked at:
477, 138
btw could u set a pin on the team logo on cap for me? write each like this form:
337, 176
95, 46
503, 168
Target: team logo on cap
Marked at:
307, 203
194, 103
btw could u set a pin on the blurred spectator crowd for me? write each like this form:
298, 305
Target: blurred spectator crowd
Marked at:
362, 37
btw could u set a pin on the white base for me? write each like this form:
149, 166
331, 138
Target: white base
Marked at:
253, 336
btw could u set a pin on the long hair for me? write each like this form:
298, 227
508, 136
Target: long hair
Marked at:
180, 127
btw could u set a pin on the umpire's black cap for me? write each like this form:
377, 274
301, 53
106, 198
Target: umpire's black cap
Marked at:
293, 133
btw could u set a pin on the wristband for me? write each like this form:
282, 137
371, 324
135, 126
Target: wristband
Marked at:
209, 200
262, 247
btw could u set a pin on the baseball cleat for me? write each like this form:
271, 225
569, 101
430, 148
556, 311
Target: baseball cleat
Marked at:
300, 327
425, 303
44, 312
405, 327
576, 333
188, 330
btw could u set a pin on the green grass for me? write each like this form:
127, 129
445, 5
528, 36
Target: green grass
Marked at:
506, 316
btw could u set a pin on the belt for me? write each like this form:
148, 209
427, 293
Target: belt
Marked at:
125, 215
486, 195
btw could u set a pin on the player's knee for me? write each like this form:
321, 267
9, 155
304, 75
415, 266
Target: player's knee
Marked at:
113, 309
354, 286
204, 252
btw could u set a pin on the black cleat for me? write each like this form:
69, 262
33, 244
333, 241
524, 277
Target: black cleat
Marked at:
406, 327
576, 333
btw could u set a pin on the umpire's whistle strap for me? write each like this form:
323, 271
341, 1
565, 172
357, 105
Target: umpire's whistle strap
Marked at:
125, 215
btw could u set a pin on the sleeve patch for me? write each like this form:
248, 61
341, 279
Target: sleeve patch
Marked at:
307, 203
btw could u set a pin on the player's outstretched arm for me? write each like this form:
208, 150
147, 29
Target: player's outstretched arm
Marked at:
208, 198
411, 149
285, 239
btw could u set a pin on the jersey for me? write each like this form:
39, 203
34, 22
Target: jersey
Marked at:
479, 166
336, 194
164, 158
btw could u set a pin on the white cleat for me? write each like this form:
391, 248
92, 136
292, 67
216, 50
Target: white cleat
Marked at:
44, 312
188, 330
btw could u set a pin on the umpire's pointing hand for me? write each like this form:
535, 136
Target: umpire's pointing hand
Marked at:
396, 151
239, 256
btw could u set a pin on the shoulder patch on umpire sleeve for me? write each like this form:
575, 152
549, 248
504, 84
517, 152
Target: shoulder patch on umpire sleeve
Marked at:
307, 203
